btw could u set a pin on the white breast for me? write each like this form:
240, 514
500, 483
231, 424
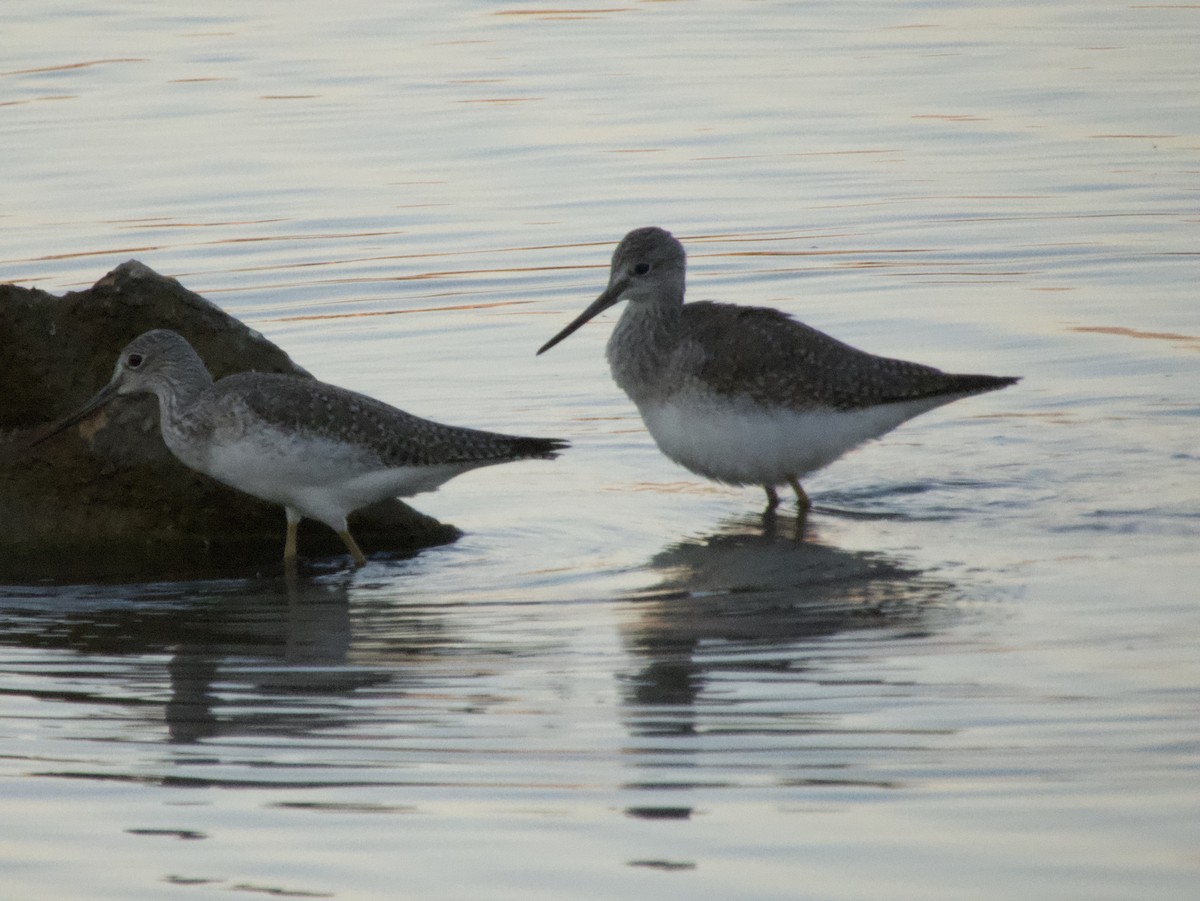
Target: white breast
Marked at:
323, 480
750, 445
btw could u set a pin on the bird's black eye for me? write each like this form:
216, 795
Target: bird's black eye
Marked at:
133, 361
641, 269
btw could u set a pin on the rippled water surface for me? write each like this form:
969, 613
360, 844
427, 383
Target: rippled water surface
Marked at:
971, 674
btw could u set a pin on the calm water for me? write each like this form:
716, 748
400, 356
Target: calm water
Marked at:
972, 675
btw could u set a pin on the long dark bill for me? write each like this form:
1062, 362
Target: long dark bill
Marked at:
610, 296
107, 393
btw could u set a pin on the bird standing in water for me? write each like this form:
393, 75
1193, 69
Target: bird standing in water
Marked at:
318, 450
748, 395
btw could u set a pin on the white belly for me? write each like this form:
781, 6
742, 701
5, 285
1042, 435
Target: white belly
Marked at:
747, 445
320, 480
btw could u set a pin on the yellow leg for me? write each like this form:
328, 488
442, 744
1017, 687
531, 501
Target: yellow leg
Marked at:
289, 546
802, 502
353, 548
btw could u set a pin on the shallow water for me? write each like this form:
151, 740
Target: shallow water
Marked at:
971, 674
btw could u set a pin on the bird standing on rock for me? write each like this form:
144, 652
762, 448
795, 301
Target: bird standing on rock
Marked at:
316, 449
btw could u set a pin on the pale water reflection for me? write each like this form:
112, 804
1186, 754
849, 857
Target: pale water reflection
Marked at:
974, 674
331, 695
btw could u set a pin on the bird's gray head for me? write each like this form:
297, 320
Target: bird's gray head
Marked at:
152, 361
648, 266
156, 362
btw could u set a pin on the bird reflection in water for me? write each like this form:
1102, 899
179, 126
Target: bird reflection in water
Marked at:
752, 609
243, 656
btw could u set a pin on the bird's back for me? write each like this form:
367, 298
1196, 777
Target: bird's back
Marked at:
381, 433
765, 355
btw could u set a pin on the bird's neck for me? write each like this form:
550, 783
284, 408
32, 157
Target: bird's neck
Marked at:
179, 390
641, 344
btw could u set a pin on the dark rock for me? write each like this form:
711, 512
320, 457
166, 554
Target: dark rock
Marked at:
108, 498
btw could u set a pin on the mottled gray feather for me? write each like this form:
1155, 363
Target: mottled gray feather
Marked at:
392, 436
769, 357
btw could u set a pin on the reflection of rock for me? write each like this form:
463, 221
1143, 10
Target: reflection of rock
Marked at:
244, 657
118, 500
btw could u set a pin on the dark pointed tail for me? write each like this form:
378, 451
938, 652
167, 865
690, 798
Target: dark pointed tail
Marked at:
978, 384
538, 448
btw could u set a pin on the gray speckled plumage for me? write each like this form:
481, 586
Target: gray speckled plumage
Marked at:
700, 372
769, 357
384, 435
316, 449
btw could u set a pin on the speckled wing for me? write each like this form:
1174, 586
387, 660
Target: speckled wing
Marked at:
767, 356
392, 436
